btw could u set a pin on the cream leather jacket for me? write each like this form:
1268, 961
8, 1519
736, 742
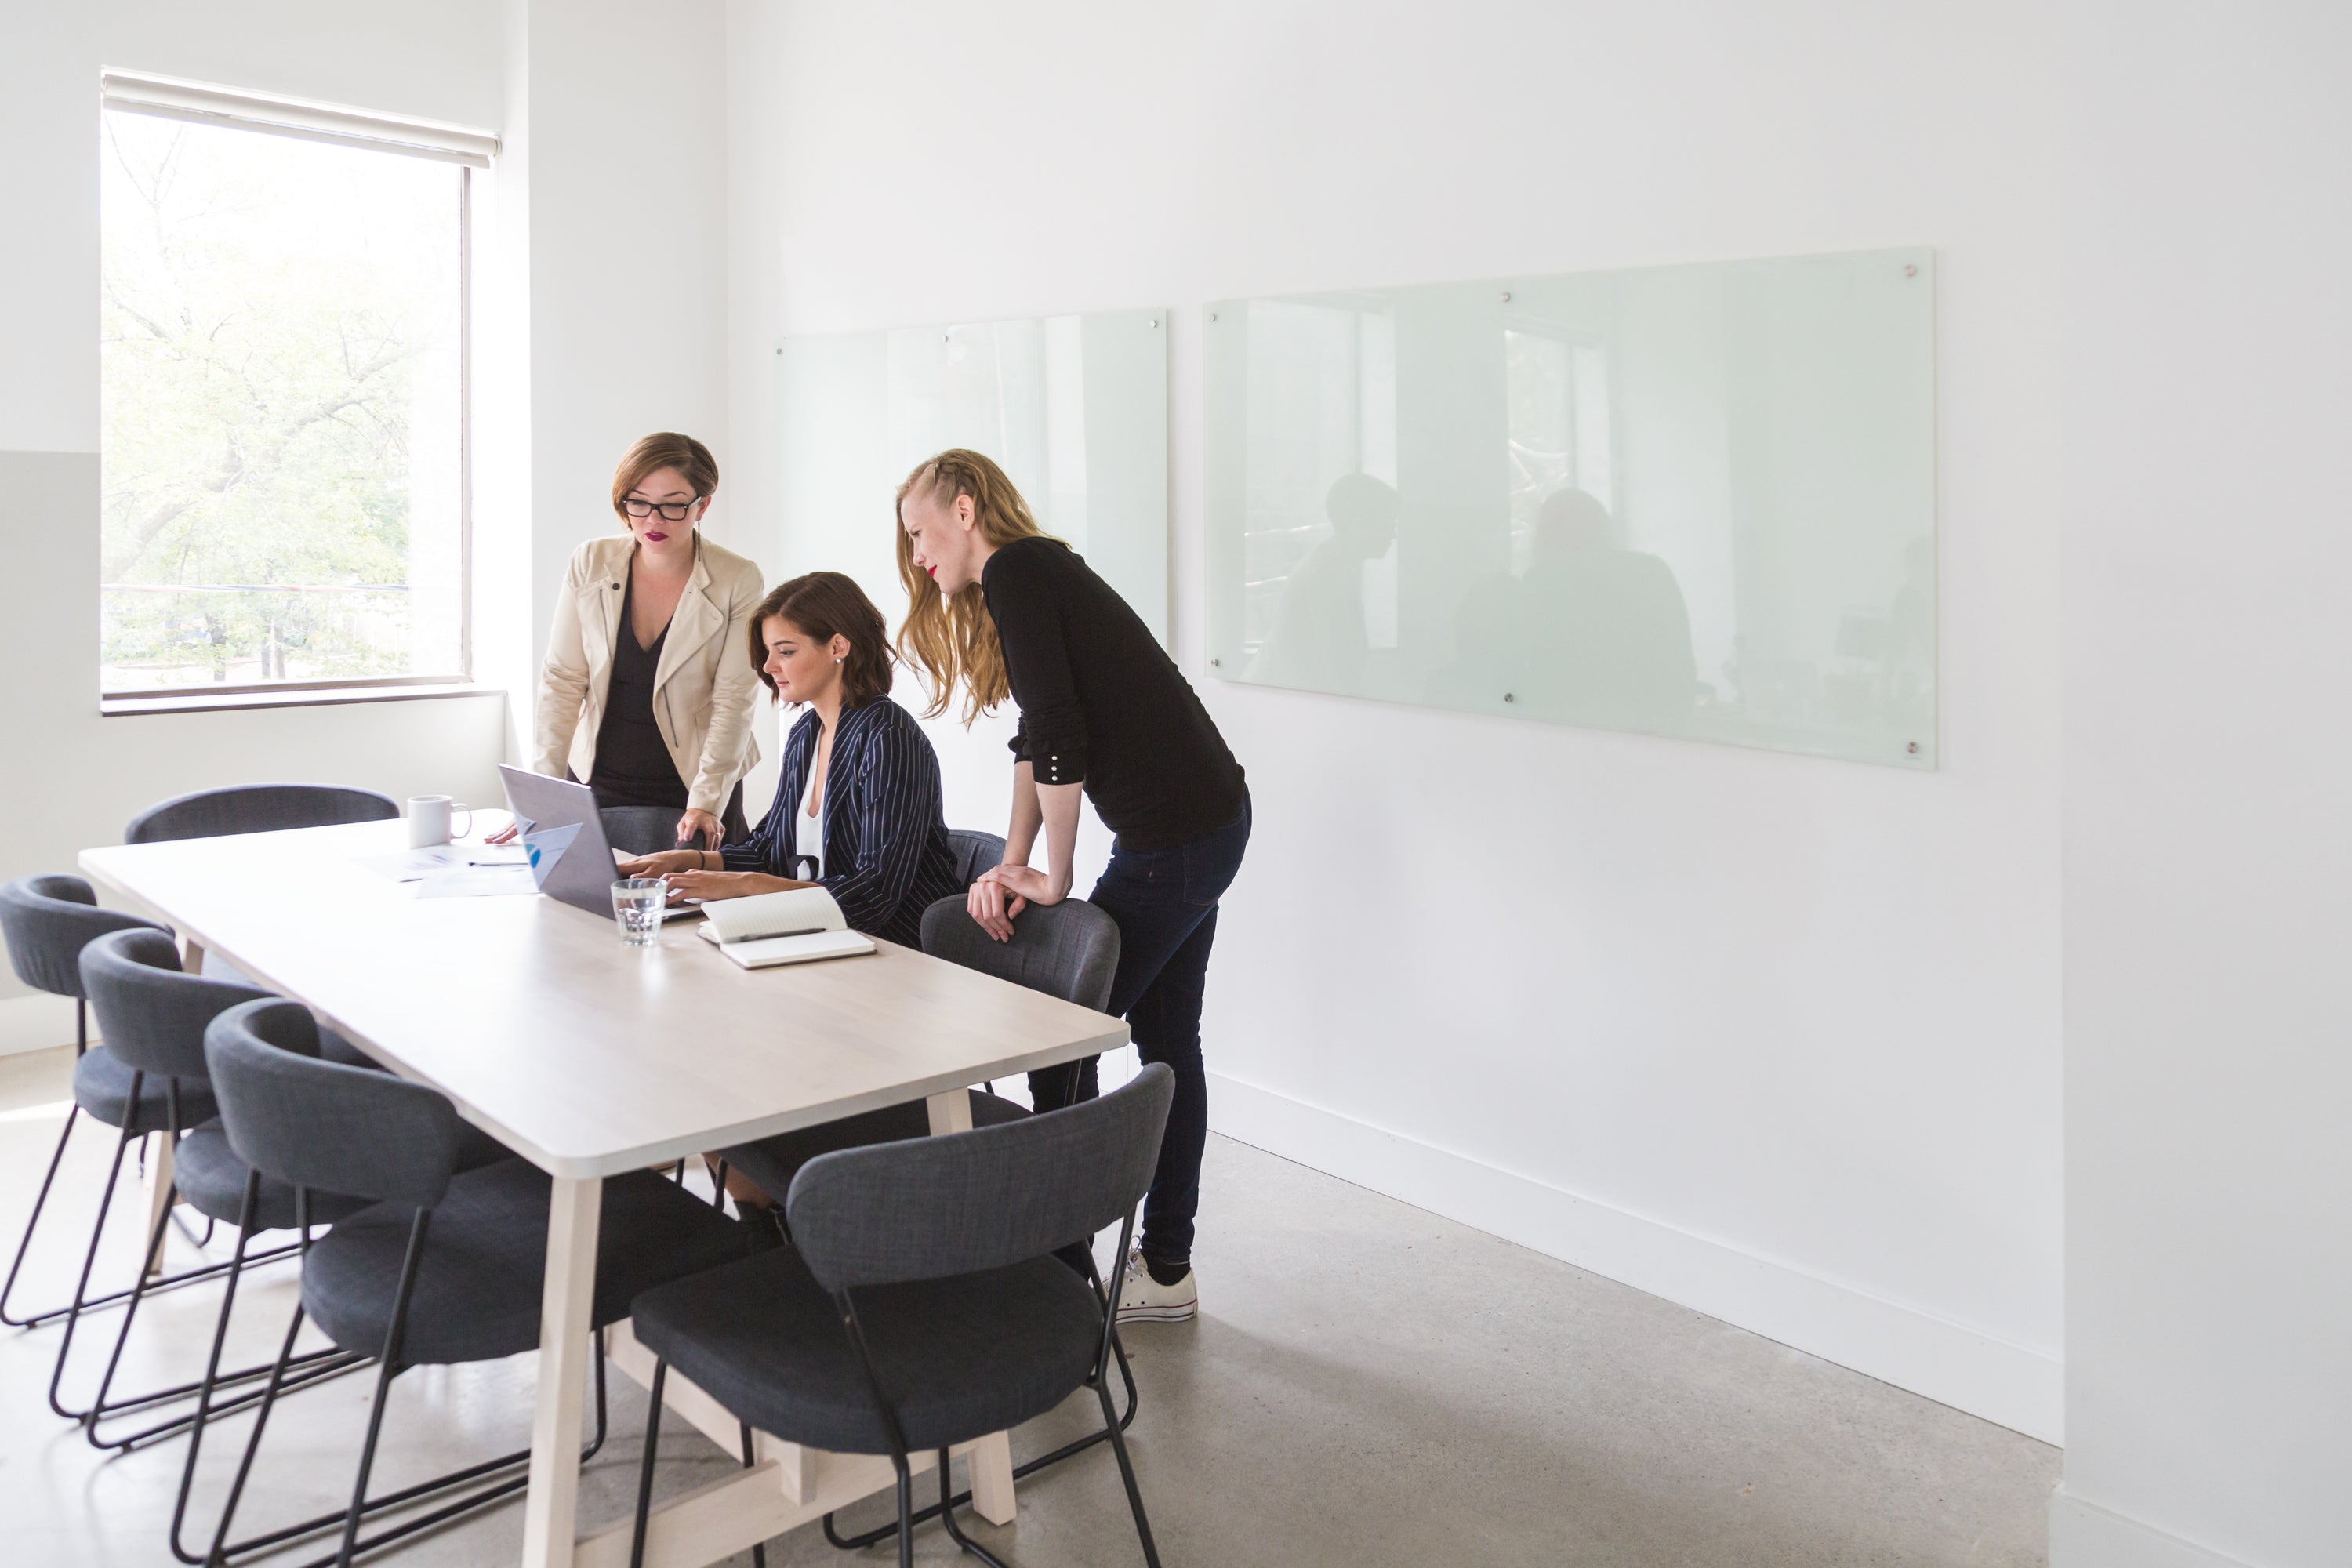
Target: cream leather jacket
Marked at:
704, 685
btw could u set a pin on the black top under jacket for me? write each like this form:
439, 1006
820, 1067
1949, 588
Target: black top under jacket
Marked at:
633, 766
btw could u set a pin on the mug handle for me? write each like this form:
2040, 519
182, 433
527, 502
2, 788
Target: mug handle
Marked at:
467, 831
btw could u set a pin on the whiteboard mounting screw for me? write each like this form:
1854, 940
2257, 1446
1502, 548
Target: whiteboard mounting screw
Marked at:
1213, 315
947, 337
1912, 747
1155, 323
1910, 270
1216, 664
1508, 697
1506, 296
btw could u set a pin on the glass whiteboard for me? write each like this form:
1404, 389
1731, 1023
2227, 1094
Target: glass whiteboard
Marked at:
1074, 408
1685, 501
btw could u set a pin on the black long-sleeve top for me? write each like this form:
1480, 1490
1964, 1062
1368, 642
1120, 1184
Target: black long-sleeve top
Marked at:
886, 839
1101, 702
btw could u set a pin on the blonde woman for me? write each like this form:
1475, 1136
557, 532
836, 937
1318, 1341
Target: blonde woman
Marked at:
1002, 610
647, 690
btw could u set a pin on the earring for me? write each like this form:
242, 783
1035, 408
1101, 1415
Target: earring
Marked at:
837, 661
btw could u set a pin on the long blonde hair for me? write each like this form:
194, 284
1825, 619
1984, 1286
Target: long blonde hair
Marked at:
955, 638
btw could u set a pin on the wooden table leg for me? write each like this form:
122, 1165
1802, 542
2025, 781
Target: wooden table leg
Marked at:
549, 1523
992, 1458
159, 1194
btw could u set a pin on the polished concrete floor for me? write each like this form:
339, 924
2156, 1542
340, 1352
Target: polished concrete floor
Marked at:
1366, 1384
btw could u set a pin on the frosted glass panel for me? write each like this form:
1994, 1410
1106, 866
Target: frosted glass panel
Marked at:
1688, 500
1074, 408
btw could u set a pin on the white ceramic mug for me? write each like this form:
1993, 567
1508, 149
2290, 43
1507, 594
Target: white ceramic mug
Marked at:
428, 819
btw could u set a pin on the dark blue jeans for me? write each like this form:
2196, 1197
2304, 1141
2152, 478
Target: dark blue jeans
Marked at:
1165, 901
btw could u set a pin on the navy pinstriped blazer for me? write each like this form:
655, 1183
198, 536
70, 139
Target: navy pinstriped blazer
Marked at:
887, 857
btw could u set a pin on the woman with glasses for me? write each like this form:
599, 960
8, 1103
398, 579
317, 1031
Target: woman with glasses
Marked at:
647, 690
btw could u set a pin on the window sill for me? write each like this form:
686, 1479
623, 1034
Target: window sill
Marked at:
199, 702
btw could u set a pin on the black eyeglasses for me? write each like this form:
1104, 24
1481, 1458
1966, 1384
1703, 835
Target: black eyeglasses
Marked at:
672, 511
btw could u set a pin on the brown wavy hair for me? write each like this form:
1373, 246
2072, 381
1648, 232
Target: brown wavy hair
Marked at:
666, 449
955, 639
824, 606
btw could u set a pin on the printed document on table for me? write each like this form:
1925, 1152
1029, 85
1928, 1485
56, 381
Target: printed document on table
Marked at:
412, 865
477, 883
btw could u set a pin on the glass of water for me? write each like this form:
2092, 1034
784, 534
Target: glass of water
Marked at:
637, 908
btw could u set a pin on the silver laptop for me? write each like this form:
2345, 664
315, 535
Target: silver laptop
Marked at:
583, 875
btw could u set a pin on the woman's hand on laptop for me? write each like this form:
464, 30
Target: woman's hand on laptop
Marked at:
709, 885
664, 863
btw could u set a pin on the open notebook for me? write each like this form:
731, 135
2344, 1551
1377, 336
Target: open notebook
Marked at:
795, 927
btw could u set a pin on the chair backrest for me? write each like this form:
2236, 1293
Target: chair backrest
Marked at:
975, 853
640, 829
151, 1015
924, 1208
47, 921
257, 808
1069, 950
320, 1124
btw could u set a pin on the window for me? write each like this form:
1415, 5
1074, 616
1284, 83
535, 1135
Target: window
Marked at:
283, 375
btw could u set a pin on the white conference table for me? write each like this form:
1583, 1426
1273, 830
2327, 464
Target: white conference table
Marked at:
589, 1059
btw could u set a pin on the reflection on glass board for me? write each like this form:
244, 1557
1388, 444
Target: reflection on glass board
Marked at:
1691, 501
1074, 408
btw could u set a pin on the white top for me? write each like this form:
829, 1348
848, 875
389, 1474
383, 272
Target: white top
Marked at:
808, 835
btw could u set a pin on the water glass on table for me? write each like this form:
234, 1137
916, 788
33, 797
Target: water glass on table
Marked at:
638, 909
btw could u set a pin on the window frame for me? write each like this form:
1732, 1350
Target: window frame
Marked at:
169, 97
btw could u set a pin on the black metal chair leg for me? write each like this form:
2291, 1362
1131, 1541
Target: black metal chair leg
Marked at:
955, 1531
759, 1549
212, 1370
905, 1514
386, 1369
1127, 1474
122, 1335
219, 1552
646, 1467
488, 1494
25, 1243
90, 1260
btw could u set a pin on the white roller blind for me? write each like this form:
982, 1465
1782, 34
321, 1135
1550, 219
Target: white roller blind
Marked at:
171, 98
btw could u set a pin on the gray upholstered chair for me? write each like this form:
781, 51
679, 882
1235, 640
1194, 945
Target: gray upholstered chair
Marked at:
153, 1016
257, 808
640, 829
151, 1019
1069, 950
47, 921
443, 1267
922, 1304
974, 852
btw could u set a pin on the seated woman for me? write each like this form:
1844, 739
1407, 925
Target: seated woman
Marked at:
857, 810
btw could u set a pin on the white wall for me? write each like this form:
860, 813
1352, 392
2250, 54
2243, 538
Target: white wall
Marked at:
1774, 1037
2209, 564
612, 277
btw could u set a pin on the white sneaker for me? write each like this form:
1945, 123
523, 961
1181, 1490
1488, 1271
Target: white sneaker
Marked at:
1143, 1299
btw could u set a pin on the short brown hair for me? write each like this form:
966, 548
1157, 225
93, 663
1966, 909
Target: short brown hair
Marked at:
666, 449
826, 605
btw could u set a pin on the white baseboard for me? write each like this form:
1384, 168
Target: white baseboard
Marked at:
2014, 1385
35, 1021
2084, 1535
